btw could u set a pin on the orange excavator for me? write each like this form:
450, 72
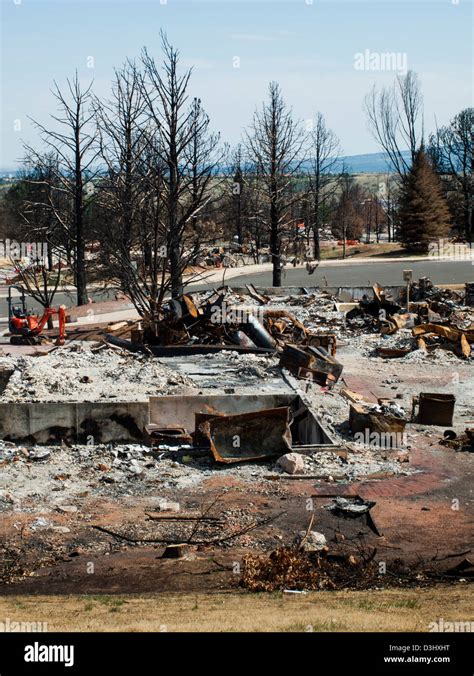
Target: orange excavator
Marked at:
26, 327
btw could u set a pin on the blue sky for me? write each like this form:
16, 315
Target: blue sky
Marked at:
307, 46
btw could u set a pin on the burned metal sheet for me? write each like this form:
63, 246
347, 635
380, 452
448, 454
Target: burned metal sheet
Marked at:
435, 408
364, 417
249, 437
311, 363
170, 436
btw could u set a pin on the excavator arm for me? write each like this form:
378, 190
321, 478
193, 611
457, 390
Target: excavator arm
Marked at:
50, 312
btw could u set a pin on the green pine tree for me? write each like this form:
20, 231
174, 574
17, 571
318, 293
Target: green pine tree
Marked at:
423, 212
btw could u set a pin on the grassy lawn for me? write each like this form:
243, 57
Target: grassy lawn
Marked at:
387, 610
384, 249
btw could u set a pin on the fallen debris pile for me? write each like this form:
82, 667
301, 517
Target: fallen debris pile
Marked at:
292, 569
461, 442
87, 372
436, 317
217, 321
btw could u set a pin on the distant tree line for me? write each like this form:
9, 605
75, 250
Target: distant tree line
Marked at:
133, 189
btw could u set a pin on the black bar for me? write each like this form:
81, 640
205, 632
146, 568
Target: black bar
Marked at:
328, 653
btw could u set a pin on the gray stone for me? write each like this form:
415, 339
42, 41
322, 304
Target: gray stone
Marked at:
292, 463
67, 509
314, 542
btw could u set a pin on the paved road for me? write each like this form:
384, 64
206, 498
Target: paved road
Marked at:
67, 299
350, 273
361, 274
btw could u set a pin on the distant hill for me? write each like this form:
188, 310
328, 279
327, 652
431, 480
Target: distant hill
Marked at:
372, 163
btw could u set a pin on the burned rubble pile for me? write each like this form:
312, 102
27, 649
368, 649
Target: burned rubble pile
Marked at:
86, 371
220, 321
251, 394
433, 318
248, 321
210, 324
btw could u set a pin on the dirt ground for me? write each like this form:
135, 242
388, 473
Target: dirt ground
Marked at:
426, 513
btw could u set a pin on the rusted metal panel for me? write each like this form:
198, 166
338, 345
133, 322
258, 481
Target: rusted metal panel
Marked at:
171, 436
436, 409
249, 437
311, 363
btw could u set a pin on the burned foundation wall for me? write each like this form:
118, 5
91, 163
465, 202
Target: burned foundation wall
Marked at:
344, 293
179, 411
103, 422
99, 422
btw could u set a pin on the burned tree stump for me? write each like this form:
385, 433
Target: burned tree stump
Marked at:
178, 551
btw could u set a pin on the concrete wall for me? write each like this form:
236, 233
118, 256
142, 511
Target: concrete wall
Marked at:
345, 293
124, 422
48, 422
178, 411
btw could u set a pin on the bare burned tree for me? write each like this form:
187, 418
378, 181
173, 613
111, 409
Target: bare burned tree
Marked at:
275, 145
257, 213
324, 155
27, 204
395, 119
39, 283
140, 263
452, 151
122, 136
130, 196
73, 144
202, 158
121, 133
186, 152
236, 191
161, 164
348, 215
